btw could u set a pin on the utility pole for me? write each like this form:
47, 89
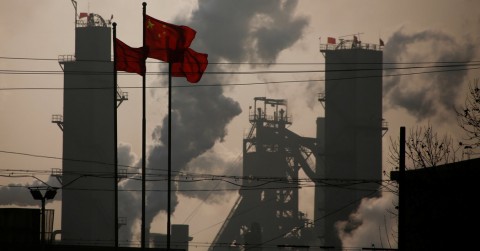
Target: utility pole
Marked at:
37, 195
401, 183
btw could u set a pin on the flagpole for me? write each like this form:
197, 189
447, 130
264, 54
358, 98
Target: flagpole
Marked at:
115, 132
169, 153
143, 136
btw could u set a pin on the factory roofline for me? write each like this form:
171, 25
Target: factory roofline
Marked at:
346, 44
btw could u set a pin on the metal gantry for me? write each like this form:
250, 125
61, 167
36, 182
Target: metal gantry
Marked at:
267, 211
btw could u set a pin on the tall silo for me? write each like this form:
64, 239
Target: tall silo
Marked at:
88, 137
351, 132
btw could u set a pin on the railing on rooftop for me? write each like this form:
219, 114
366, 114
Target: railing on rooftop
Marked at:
93, 20
66, 58
350, 45
269, 118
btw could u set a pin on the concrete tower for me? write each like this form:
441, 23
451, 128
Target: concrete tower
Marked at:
350, 135
88, 137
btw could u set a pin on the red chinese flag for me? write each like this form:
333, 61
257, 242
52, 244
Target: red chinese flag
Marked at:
82, 15
192, 67
129, 59
331, 40
165, 41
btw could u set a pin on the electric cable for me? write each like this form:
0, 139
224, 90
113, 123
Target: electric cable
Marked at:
243, 84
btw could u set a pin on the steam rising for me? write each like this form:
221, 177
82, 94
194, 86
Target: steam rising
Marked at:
19, 195
255, 31
228, 31
426, 95
374, 224
247, 30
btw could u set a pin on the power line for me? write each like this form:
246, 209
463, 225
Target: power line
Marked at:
295, 183
66, 187
201, 203
246, 84
252, 63
27, 72
184, 175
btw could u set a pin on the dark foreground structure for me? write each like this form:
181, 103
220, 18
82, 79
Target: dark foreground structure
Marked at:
20, 229
439, 209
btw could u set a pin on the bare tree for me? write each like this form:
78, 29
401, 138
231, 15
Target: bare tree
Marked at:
468, 116
424, 148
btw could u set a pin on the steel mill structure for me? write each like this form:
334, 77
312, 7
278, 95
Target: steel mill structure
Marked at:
267, 205
344, 160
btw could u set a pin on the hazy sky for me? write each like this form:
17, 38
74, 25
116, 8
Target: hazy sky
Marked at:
214, 120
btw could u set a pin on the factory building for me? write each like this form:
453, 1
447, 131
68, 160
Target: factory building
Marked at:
344, 160
438, 206
350, 134
88, 137
348, 146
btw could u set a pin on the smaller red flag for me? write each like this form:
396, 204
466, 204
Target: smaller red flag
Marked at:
331, 40
82, 15
192, 67
129, 59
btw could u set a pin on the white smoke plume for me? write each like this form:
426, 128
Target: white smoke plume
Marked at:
18, 194
257, 31
374, 224
432, 95
426, 96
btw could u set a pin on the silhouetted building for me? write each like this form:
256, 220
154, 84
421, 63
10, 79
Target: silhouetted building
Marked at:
88, 137
347, 150
266, 213
20, 230
19, 226
350, 135
178, 240
439, 211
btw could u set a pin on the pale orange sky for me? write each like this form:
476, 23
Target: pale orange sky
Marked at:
44, 30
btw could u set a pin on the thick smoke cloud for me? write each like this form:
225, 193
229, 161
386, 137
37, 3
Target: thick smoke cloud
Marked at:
129, 202
199, 119
19, 195
228, 31
432, 95
429, 96
126, 157
232, 31
129, 206
249, 30
373, 224
204, 187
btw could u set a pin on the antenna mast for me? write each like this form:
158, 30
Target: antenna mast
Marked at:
75, 7
349, 35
